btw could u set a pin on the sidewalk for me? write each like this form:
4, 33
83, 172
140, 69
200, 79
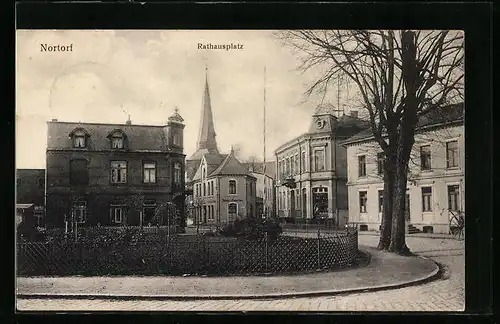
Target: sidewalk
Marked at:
385, 271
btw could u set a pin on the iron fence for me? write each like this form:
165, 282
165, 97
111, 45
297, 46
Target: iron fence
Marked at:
191, 254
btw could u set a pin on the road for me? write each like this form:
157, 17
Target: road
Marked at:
446, 294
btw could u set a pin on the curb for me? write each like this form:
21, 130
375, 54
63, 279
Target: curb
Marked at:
437, 237
424, 279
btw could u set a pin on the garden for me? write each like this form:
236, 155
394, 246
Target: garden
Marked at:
243, 247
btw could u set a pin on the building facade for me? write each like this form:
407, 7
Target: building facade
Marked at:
316, 163
436, 184
265, 187
114, 174
30, 193
223, 190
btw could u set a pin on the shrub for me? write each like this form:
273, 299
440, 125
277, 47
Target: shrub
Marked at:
252, 229
29, 232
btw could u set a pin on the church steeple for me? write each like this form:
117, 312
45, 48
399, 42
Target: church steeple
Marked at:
206, 136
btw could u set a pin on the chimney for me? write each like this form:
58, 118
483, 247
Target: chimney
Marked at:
129, 122
354, 113
54, 120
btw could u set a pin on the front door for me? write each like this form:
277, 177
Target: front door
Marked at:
149, 213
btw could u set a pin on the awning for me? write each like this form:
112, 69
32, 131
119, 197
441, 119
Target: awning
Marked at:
24, 206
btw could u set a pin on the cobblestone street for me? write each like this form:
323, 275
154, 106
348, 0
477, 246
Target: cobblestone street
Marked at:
446, 294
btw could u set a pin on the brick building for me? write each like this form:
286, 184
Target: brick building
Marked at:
30, 192
114, 174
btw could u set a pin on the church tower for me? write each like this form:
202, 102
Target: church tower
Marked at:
206, 137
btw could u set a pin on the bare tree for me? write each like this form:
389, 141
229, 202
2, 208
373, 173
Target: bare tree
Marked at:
400, 76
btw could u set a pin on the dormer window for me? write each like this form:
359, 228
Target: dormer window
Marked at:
117, 142
79, 141
79, 138
117, 139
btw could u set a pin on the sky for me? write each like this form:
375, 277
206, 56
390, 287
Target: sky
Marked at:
110, 74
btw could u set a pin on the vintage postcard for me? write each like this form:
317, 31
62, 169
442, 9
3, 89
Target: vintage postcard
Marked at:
248, 170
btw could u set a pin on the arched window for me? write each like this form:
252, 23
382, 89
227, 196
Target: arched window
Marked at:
232, 211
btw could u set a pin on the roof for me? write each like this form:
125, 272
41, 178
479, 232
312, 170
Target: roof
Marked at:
230, 166
258, 167
139, 137
213, 160
28, 172
436, 117
346, 126
198, 155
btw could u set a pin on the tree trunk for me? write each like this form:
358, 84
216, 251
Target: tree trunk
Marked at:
386, 223
398, 240
406, 139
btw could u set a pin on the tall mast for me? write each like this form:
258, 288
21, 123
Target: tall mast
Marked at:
338, 96
264, 200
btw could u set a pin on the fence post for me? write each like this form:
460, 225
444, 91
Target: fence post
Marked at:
319, 259
266, 250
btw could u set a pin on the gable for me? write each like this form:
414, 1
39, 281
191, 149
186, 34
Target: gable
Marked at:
231, 166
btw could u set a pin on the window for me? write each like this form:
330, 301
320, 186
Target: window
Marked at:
232, 211
297, 199
232, 187
79, 173
118, 172
177, 174
116, 214
296, 160
425, 157
149, 172
79, 140
211, 213
117, 142
380, 201
303, 166
453, 197
452, 154
362, 201
292, 165
203, 173
18, 182
362, 165
380, 163
426, 199
80, 211
319, 160
177, 140
204, 189
212, 187
41, 183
